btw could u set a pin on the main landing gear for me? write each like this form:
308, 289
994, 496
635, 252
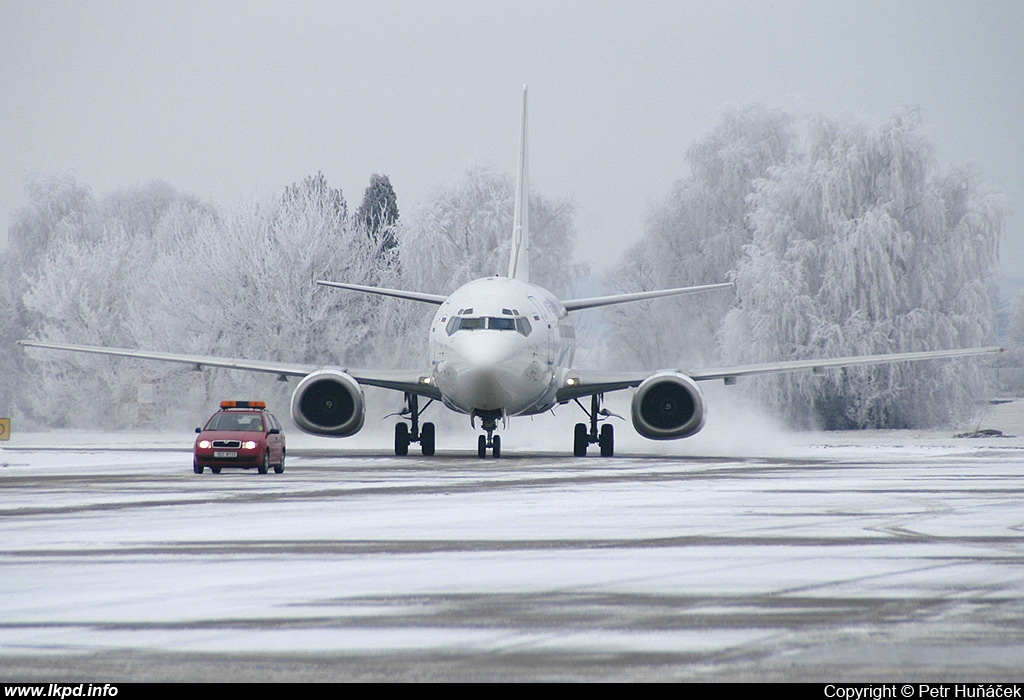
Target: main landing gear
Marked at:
583, 438
406, 433
489, 422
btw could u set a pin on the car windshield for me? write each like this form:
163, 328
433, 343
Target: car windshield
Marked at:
236, 421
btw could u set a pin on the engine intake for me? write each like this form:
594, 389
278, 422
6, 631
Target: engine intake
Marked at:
667, 406
329, 402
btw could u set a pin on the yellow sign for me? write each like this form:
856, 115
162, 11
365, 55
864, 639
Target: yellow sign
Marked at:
5, 428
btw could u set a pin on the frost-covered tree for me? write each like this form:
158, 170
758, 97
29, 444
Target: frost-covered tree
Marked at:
464, 231
166, 272
695, 236
59, 209
862, 246
98, 286
378, 214
1010, 365
250, 286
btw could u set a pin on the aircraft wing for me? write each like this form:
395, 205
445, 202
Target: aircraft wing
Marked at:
730, 374
410, 381
586, 382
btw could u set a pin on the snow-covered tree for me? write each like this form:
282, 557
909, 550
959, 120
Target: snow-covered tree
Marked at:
97, 286
695, 236
59, 209
378, 214
859, 247
464, 231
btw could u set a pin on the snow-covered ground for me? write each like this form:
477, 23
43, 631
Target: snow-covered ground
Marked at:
826, 556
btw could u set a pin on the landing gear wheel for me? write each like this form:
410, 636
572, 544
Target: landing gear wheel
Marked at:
401, 439
197, 468
580, 440
265, 467
481, 447
279, 469
427, 440
496, 446
607, 440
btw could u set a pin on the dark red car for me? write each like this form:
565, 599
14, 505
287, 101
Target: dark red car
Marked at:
242, 434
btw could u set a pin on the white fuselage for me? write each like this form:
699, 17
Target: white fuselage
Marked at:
501, 344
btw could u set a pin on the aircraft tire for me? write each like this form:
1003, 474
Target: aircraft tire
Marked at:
427, 440
481, 447
496, 446
607, 440
580, 440
401, 439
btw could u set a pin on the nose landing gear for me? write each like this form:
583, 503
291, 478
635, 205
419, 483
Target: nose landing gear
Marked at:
489, 422
411, 432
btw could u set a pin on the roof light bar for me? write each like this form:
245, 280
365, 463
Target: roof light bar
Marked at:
243, 404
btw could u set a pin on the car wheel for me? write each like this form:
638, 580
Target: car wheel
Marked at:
197, 467
265, 467
279, 469
215, 470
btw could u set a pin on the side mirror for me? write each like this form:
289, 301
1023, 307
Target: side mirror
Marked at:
273, 431
199, 430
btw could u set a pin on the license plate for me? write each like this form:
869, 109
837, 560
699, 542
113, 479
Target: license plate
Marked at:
224, 455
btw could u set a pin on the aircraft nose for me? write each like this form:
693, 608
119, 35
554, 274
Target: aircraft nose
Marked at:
482, 350
487, 375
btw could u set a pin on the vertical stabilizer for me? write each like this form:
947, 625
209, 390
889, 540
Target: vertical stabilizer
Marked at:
519, 262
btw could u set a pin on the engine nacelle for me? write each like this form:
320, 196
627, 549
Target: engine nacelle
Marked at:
329, 402
667, 406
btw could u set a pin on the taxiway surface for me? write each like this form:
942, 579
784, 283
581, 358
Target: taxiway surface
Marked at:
872, 556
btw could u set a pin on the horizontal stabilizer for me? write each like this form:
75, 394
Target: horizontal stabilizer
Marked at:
437, 299
592, 302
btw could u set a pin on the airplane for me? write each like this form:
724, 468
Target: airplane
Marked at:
502, 347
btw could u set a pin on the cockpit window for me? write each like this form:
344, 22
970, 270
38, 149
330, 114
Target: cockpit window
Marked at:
493, 323
501, 324
523, 325
472, 324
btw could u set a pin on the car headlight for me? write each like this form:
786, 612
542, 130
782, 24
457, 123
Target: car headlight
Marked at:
249, 444
204, 444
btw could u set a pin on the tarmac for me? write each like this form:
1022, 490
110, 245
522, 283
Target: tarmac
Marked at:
891, 556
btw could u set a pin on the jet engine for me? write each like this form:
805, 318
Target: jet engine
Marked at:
668, 405
329, 402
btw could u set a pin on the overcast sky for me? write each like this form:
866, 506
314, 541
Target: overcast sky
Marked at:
231, 99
